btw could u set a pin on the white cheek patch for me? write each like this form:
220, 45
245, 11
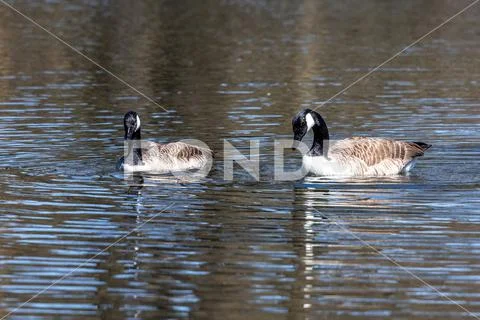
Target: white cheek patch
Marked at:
310, 121
138, 123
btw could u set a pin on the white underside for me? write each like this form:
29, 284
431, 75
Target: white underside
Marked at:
319, 165
167, 165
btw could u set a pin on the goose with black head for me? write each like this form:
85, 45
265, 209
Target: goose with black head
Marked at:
356, 156
151, 156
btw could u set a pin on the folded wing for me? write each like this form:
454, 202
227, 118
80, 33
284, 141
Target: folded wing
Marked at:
183, 151
373, 151
175, 152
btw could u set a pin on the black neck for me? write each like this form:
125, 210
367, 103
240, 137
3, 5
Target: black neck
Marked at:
320, 136
134, 144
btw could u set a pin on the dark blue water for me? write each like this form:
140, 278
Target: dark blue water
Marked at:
401, 247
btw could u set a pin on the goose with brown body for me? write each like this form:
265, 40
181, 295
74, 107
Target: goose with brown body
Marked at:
357, 156
151, 156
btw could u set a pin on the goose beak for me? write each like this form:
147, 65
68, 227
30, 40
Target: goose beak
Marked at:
295, 144
297, 137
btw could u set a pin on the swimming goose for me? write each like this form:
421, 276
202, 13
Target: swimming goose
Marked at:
151, 156
357, 156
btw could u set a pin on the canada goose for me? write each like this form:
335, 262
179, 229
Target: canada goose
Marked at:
357, 156
151, 156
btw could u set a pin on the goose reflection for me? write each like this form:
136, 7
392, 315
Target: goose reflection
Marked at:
352, 193
135, 183
138, 180
330, 216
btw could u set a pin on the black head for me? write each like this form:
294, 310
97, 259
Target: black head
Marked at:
304, 121
300, 125
131, 123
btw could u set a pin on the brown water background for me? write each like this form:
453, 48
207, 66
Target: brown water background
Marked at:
237, 70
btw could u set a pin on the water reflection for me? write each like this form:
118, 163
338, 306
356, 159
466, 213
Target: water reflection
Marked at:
237, 70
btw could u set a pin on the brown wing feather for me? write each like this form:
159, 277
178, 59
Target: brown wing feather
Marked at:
373, 150
183, 151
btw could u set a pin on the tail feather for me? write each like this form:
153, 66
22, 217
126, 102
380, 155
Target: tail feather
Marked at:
422, 145
418, 148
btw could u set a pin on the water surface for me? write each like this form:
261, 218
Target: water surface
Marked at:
316, 248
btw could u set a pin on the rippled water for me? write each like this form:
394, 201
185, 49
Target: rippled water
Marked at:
399, 247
